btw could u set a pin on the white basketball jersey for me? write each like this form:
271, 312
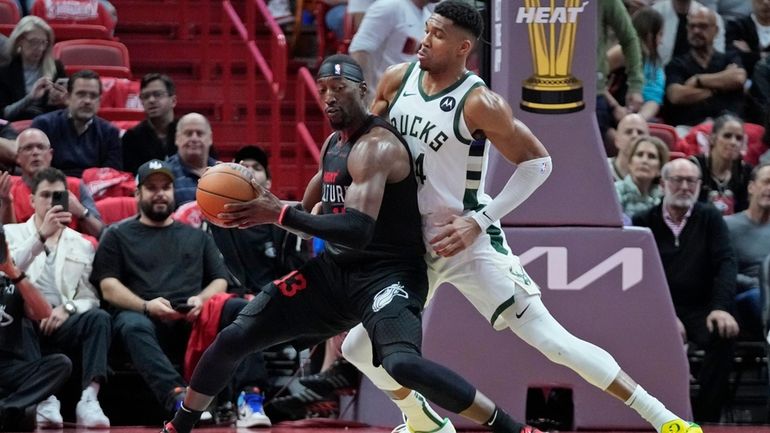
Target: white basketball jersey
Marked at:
450, 164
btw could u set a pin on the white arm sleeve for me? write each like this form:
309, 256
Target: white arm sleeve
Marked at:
529, 175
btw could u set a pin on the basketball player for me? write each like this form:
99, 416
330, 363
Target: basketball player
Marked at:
446, 113
371, 272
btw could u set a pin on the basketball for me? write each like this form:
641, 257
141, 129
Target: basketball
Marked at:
222, 184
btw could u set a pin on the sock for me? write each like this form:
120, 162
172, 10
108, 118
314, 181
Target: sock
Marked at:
185, 419
650, 408
501, 422
421, 416
91, 391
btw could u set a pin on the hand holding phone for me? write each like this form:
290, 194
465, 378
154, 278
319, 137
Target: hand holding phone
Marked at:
61, 198
182, 307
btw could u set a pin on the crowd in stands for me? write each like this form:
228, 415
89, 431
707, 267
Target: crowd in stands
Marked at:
703, 69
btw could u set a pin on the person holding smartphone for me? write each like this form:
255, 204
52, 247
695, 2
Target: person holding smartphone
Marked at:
58, 261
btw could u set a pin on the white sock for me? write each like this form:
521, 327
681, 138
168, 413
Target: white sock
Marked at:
90, 392
650, 408
419, 413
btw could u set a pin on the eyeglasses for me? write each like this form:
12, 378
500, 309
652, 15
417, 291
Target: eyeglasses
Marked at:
28, 148
681, 180
35, 42
156, 94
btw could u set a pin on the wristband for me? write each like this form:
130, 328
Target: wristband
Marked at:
284, 209
18, 279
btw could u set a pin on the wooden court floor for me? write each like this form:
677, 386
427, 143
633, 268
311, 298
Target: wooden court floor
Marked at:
304, 427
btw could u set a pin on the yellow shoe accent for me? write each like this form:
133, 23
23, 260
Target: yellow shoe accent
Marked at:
680, 426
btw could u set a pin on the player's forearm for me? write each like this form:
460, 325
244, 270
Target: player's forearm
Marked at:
352, 229
528, 177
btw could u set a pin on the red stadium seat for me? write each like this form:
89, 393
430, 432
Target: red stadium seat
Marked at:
114, 209
74, 12
667, 133
9, 12
68, 32
107, 58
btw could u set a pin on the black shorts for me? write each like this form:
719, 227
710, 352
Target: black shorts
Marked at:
323, 299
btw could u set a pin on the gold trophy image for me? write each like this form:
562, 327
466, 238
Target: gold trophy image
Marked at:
551, 89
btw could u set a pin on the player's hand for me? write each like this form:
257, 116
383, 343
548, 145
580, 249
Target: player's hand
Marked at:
264, 209
723, 322
160, 308
50, 324
455, 235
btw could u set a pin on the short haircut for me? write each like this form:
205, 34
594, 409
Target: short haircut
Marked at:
49, 174
165, 79
755, 171
84, 74
462, 15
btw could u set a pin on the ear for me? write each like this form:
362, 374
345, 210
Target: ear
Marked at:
32, 199
466, 46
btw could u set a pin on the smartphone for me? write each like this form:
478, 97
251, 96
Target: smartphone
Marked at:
182, 308
62, 82
61, 198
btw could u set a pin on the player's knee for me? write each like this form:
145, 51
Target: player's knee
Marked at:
405, 368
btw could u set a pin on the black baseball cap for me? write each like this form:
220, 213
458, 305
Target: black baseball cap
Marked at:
253, 152
151, 167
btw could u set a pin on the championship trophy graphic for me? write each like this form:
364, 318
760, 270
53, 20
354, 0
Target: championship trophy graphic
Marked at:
552, 29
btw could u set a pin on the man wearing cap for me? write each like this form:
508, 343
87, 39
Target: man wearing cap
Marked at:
157, 274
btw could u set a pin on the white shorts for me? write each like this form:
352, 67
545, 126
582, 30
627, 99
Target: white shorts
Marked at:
487, 273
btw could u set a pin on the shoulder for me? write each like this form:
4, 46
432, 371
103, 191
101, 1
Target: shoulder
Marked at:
77, 240
49, 119
484, 106
379, 146
14, 230
394, 74
105, 124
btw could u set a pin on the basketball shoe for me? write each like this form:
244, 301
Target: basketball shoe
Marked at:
680, 426
445, 427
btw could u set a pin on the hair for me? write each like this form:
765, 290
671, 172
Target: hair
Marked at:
165, 79
693, 162
49, 174
648, 23
26, 25
755, 171
660, 146
84, 74
462, 15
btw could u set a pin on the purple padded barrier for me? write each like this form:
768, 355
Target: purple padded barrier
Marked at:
582, 274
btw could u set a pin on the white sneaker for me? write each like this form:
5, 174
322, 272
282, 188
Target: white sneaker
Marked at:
90, 415
280, 11
49, 413
250, 411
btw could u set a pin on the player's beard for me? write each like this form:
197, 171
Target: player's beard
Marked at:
342, 123
148, 209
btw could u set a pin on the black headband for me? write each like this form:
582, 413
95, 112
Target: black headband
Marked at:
338, 66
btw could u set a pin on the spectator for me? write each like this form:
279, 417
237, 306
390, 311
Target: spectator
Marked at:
630, 128
7, 145
157, 274
729, 9
34, 155
335, 17
98, 12
29, 84
639, 190
390, 33
760, 91
80, 138
749, 36
357, 9
57, 260
750, 236
26, 377
193, 143
694, 247
726, 176
702, 82
649, 28
153, 137
675, 15
613, 16
263, 253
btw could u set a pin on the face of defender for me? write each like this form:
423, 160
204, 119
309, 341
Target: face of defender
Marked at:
341, 98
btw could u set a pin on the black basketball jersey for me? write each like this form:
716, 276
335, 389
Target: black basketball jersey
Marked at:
398, 229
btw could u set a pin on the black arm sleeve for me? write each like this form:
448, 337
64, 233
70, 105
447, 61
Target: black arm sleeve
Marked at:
352, 229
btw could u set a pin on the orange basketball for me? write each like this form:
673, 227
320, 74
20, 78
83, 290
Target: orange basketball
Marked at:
222, 184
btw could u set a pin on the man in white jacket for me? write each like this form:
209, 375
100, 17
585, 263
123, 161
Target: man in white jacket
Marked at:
58, 260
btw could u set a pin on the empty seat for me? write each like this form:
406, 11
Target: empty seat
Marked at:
107, 58
9, 12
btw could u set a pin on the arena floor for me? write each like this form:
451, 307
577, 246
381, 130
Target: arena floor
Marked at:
303, 427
